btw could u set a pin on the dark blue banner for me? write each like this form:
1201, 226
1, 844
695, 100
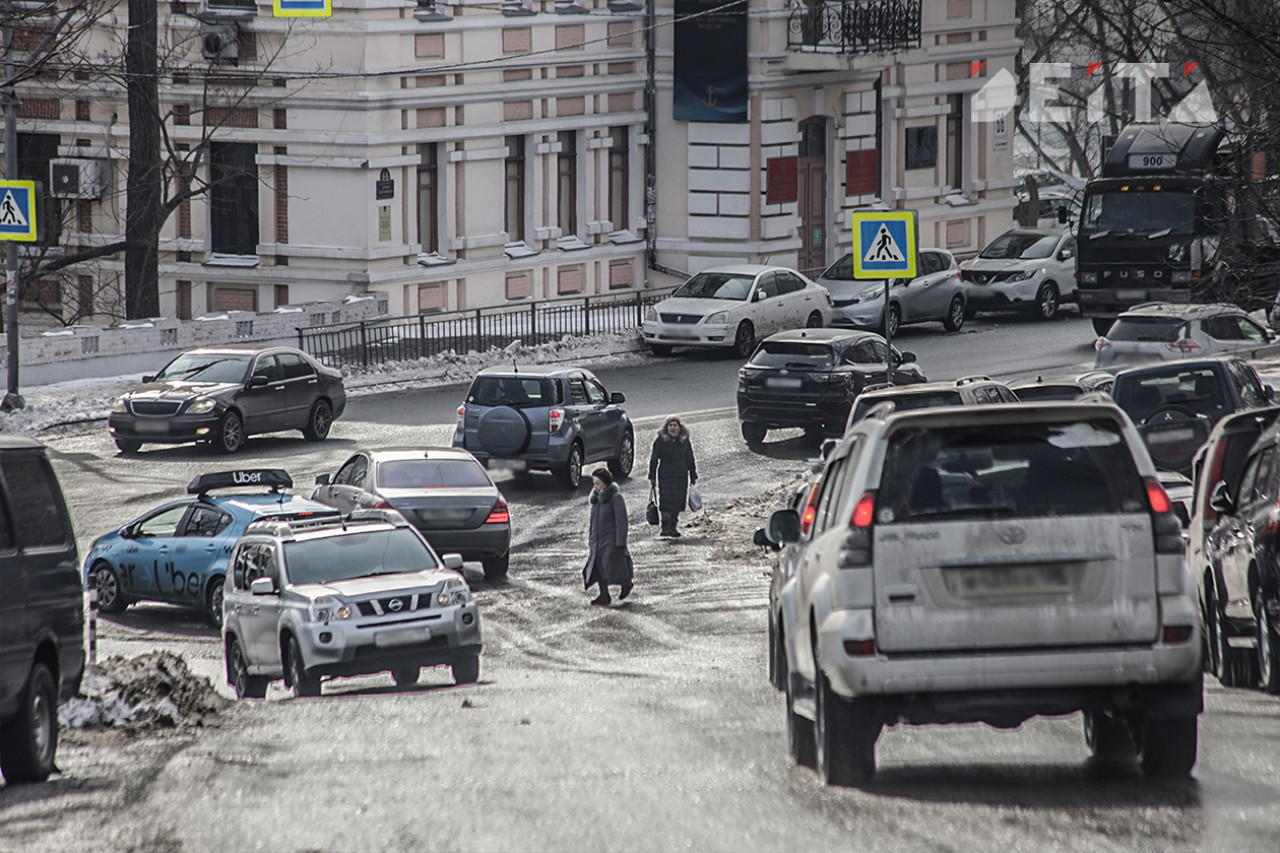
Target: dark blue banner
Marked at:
710, 61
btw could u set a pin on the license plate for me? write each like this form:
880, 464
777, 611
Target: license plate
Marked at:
780, 382
1014, 580
402, 637
151, 427
1170, 436
508, 464
1131, 295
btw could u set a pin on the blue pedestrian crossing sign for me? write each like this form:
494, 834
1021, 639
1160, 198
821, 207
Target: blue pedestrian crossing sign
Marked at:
884, 244
19, 210
302, 8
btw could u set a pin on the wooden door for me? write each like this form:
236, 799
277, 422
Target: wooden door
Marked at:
812, 196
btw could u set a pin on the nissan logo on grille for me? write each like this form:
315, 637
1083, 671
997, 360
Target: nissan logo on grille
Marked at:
395, 605
1012, 535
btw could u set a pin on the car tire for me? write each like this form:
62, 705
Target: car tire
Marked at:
814, 321
245, 685
111, 597
1268, 646
302, 682
773, 655
1168, 747
754, 433
620, 466
799, 731
230, 434
406, 676
845, 733
29, 741
1101, 325
495, 568
213, 599
893, 321
466, 671
956, 315
319, 422
128, 446
1221, 656
660, 350
1107, 736
570, 474
1047, 301
744, 340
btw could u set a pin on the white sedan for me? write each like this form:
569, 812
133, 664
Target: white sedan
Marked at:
733, 307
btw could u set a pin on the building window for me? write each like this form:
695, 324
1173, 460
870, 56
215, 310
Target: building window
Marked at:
619, 177
281, 295
428, 198
955, 142
235, 299
233, 198
184, 300
567, 177
813, 139
922, 147
515, 188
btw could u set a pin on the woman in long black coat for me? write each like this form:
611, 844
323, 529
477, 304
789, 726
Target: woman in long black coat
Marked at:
672, 470
608, 561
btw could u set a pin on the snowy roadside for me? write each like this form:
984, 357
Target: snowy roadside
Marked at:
84, 401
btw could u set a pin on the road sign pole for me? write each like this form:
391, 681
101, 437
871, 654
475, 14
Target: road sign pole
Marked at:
888, 335
12, 399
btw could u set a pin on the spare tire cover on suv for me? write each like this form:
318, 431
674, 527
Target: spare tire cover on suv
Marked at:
1173, 442
504, 431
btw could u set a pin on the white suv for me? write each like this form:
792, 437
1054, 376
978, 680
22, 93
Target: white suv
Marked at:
991, 564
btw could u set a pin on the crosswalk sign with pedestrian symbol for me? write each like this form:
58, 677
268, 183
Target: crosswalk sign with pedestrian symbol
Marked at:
884, 244
19, 203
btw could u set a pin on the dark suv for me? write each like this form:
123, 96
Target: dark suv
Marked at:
545, 419
41, 610
1176, 404
809, 378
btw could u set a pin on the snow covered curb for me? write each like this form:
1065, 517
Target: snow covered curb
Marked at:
153, 691
84, 401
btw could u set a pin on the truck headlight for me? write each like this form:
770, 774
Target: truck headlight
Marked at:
718, 317
1178, 252
1088, 278
201, 407
651, 315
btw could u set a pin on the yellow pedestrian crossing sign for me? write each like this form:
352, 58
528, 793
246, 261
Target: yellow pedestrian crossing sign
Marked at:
884, 244
19, 210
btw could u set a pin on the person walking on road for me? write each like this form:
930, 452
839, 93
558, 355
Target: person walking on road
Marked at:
672, 470
608, 560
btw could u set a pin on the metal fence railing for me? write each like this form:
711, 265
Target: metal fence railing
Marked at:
421, 335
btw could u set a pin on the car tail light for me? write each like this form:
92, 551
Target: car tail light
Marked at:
855, 553
863, 513
1183, 345
462, 415
383, 505
1176, 633
810, 510
555, 420
859, 648
499, 514
1101, 343
1164, 524
828, 295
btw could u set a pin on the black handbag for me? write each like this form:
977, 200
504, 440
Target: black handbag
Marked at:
651, 511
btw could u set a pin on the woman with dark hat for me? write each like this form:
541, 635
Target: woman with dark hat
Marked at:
608, 561
672, 470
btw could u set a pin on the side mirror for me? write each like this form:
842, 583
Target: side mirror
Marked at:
262, 586
908, 356
1066, 255
130, 532
617, 398
1220, 499
758, 297
451, 561
1269, 392
148, 377
257, 380
322, 480
783, 526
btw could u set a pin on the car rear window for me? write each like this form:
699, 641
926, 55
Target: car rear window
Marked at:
356, 555
797, 354
516, 391
1195, 389
431, 474
1160, 329
1048, 392
906, 402
1009, 470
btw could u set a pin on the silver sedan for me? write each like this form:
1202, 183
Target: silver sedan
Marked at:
934, 294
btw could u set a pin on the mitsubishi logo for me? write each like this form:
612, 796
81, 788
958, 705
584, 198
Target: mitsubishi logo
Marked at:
394, 605
1013, 535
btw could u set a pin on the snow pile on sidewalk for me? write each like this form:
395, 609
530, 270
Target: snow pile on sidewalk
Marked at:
85, 400
154, 691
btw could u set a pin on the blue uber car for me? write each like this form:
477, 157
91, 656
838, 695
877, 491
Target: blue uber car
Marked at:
177, 553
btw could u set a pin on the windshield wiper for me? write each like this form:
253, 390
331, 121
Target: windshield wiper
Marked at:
1103, 233
1163, 232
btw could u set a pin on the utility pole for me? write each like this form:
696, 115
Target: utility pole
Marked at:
12, 399
650, 130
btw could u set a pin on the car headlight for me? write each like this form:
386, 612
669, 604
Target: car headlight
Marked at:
651, 315
1022, 275
718, 317
326, 608
454, 592
118, 406
201, 407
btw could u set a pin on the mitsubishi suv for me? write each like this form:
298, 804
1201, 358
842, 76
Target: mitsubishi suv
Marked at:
991, 564
553, 419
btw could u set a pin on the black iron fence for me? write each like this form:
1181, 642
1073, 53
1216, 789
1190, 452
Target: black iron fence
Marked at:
421, 335
854, 26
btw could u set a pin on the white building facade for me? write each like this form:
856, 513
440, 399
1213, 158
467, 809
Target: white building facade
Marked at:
464, 155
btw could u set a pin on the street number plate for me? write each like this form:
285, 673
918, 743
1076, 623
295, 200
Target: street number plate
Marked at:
402, 637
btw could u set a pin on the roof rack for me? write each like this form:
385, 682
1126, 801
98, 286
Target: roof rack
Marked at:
878, 386
288, 528
274, 478
969, 380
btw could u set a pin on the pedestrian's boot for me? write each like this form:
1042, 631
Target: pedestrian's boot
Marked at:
626, 590
673, 531
603, 599
668, 525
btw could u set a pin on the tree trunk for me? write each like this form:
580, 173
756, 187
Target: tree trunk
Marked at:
143, 215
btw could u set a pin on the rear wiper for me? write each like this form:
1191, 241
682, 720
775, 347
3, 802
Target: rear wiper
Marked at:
980, 511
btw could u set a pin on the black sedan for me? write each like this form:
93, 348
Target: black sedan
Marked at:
222, 395
809, 377
443, 491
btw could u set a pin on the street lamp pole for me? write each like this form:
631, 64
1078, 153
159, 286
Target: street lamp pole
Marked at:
12, 399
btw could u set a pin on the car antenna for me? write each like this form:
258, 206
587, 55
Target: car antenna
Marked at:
515, 368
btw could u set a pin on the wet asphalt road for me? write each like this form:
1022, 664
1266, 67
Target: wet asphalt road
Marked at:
647, 726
